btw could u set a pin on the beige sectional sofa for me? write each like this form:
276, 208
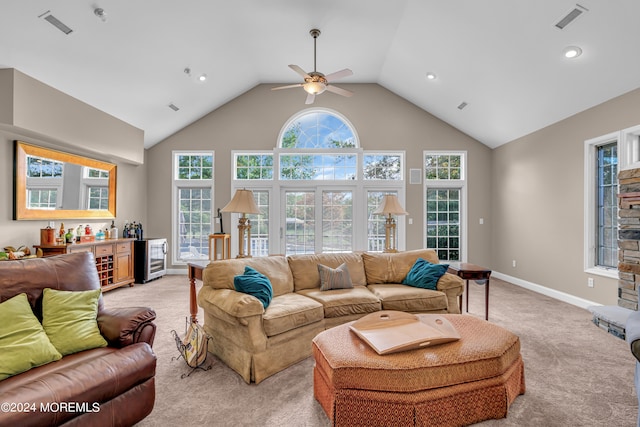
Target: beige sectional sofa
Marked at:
258, 342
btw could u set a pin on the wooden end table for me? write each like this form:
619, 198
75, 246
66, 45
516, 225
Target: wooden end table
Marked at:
467, 271
195, 273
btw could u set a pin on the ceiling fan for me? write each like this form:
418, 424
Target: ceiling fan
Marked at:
315, 82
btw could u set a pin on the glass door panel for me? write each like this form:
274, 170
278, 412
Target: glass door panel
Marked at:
337, 221
299, 222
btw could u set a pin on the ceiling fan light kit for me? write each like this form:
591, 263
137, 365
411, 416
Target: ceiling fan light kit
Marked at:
315, 82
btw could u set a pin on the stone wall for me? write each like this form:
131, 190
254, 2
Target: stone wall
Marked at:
628, 238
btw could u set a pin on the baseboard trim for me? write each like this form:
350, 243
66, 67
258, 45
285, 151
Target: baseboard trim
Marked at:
559, 295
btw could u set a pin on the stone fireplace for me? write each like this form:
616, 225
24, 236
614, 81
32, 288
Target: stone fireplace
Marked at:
613, 318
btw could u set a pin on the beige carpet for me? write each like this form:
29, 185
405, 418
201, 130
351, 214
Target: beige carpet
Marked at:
576, 374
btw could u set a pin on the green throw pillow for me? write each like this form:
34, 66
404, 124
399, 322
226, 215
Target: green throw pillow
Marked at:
23, 342
425, 275
334, 278
70, 320
254, 283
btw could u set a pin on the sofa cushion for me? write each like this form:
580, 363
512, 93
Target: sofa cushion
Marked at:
407, 298
393, 267
254, 283
344, 302
23, 341
290, 311
304, 268
334, 278
425, 275
220, 274
70, 320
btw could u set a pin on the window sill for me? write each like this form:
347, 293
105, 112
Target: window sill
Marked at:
611, 273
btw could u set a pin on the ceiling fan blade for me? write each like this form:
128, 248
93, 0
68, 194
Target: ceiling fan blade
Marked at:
310, 98
286, 87
300, 71
339, 90
339, 74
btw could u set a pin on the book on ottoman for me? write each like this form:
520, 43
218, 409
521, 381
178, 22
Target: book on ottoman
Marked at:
389, 331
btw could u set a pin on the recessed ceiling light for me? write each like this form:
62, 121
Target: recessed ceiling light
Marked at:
202, 77
572, 52
430, 76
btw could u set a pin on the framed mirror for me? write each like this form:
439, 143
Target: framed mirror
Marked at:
50, 184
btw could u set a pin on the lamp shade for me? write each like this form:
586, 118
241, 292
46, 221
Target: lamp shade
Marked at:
390, 206
242, 202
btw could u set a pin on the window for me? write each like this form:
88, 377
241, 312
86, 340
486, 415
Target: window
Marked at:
42, 198
607, 248
445, 189
192, 194
260, 224
315, 184
98, 198
601, 205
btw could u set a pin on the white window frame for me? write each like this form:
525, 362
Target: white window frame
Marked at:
590, 197
182, 183
460, 184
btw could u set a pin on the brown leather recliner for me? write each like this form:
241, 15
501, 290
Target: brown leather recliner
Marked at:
109, 386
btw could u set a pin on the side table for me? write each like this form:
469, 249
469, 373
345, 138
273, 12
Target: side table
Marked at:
467, 271
226, 246
195, 273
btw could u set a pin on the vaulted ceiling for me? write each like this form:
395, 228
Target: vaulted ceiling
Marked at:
503, 58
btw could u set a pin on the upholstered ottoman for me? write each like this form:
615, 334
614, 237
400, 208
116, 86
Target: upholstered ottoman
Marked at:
459, 383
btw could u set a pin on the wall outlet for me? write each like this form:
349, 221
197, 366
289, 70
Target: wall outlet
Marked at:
481, 221
51, 224
590, 282
410, 221
513, 263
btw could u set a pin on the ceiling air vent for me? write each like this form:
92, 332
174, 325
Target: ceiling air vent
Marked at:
174, 107
56, 22
571, 16
462, 105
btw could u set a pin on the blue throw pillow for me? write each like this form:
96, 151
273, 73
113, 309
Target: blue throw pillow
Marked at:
254, 283
425, 275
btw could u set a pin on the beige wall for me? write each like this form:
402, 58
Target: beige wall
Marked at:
42, 110
538, 201
38, 114
382, 120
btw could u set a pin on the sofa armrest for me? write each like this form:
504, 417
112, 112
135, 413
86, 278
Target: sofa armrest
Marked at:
632, 333
235, 304
450, 281
453, 287
124, 326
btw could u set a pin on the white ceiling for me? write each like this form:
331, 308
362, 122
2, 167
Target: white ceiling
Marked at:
502, 57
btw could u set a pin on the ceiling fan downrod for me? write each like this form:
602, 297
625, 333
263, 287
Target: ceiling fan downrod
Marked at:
315, 33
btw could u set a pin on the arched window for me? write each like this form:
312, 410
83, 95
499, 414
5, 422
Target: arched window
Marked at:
316, 128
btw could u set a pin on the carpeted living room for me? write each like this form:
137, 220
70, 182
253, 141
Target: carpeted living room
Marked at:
380, 213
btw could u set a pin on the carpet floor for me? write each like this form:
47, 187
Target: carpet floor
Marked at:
576, 374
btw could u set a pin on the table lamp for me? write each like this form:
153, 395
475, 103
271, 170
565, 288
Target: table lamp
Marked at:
390, 206
243, 203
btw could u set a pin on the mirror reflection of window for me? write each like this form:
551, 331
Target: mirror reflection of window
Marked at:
96, 185
44, 183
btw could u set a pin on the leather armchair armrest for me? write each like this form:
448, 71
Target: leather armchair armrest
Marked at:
124, 326
632, 333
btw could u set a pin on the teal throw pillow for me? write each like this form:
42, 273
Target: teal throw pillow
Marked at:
254, 283
425, 275
23, 342
70, 320
334, 278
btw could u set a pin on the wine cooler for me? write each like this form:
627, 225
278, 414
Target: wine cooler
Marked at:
150, 259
